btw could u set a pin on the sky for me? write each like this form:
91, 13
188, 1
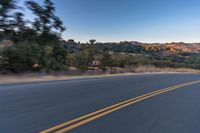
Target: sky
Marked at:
129, 20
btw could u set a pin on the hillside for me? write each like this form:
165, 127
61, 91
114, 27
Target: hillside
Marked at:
165, 49
22, 57
174, 48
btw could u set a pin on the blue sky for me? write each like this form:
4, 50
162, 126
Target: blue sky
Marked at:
132, 20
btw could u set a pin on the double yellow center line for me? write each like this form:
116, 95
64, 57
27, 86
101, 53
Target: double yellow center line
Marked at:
67, 126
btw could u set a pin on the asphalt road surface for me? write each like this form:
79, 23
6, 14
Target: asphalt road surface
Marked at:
42, 107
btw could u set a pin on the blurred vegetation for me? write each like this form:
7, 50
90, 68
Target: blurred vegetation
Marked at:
34, 45
31, 46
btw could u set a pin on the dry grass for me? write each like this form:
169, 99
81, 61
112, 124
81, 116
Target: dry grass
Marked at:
156, 69
5, 79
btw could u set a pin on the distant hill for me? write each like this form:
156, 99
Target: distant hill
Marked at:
164, 49
174, 48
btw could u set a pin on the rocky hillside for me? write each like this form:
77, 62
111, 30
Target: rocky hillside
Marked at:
173, 48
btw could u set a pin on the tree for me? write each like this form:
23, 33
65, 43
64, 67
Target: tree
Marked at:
60, 58
12, 23
21, 58
91, 51
19, 21
21, 30
106, 61
92, 41
6, 8
37, 45
46, 20
82, 60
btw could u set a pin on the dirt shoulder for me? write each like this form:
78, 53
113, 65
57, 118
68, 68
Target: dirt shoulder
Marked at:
39, 77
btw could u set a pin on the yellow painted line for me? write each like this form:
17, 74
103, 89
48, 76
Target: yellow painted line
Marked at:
102, 112
93, 113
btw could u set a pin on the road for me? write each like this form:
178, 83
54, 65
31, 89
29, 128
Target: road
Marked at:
37, 107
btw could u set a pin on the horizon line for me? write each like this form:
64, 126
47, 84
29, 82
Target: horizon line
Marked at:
75, 40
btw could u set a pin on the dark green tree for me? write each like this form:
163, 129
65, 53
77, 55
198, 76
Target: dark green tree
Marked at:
46, 20
21, 58
6, 15
106, 61
92, 41
82, 60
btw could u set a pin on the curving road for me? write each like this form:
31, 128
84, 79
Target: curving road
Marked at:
37, 107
